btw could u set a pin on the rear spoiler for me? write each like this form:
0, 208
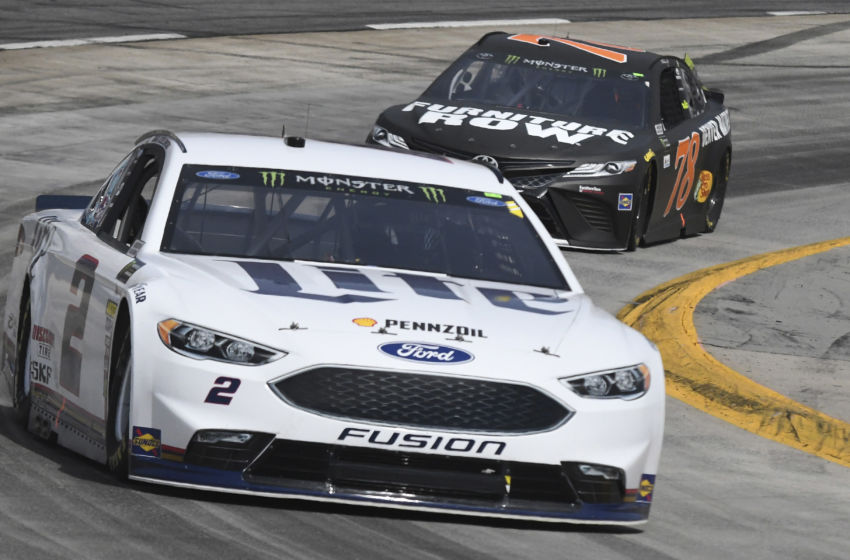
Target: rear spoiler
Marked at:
61, 201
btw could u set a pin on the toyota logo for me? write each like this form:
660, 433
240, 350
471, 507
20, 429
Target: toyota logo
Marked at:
487, 160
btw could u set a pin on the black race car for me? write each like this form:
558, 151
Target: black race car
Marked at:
612, 146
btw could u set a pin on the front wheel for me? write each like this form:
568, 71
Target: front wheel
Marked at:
714, 205
641, 211
118, 408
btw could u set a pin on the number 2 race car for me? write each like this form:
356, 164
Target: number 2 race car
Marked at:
319, 321
611, 146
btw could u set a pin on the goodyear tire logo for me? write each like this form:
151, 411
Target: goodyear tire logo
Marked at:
147, 441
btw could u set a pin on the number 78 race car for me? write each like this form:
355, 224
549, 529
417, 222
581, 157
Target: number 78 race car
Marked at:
318, 321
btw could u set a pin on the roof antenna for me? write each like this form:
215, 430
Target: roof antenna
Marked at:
283, 130
307, 122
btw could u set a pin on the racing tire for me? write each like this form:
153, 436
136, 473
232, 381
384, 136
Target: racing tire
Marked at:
21, 400
714, 205
118, 408
640, 215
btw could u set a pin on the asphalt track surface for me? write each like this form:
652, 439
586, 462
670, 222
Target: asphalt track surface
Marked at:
68, 114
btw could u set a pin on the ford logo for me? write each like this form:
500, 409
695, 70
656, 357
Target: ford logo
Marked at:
217, 175
423, 352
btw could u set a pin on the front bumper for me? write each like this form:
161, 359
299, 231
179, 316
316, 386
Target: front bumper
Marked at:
357, 475
591, 213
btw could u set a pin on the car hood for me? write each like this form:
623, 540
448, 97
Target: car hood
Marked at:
467, 129
283, 304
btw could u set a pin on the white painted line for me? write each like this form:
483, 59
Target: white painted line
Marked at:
474, 23
91, 41
796, 13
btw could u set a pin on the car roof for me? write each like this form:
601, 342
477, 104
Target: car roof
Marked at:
335, 158
567, 50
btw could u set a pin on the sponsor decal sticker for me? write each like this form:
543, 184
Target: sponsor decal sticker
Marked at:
492, 195
589, 189
666, 161
364, 322
659, 129
647, 485
484, 201
624, 202
512, 59
139, 293
273, 178
414, 440
514, 209
129, 270
484, 56
426, 353
424, 326
704, 184
434, 194
648, 156
40, 373
599, 72
147, 441
111, 308
217, 175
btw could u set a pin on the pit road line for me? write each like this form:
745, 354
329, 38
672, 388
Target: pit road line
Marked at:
665, 315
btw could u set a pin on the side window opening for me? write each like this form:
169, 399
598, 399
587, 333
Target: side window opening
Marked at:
672, 109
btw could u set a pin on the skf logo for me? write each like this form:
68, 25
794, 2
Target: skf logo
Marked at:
599, 72
272, 178
433, 194
647, 485
146, 441
624, 202
511, 59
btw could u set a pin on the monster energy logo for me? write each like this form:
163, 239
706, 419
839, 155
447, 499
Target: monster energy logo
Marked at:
433, 194
271, 178
512, 59
599, 72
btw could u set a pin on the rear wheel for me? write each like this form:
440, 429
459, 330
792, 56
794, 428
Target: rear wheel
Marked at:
118, 407
714, 205
640, 213
21, 400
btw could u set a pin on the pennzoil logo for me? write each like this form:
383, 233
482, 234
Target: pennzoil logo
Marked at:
433, 194
511, 59
272, 178
147, 441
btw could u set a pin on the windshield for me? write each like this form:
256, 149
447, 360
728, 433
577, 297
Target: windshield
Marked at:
579, 92
297, 215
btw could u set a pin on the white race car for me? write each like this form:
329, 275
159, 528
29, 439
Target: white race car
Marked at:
302, 319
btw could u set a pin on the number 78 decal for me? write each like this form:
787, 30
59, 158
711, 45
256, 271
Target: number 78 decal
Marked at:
686, 162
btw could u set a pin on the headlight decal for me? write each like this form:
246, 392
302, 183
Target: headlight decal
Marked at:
624, 383
206, 344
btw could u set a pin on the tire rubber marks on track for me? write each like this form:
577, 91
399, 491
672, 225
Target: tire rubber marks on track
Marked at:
665, 315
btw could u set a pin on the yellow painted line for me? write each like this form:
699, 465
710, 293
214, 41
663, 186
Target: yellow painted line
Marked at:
665, 315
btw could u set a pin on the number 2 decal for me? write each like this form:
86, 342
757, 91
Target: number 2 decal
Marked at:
75, 324
686, 163
222, 393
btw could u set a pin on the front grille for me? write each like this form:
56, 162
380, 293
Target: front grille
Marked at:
423, 401
433, 477
510, 166
595, 211
534, 181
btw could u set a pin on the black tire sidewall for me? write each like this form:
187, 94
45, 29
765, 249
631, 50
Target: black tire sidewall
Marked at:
22, 401
118, 451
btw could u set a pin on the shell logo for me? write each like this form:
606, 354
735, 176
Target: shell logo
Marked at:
704, 184
364, 322
645, 488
